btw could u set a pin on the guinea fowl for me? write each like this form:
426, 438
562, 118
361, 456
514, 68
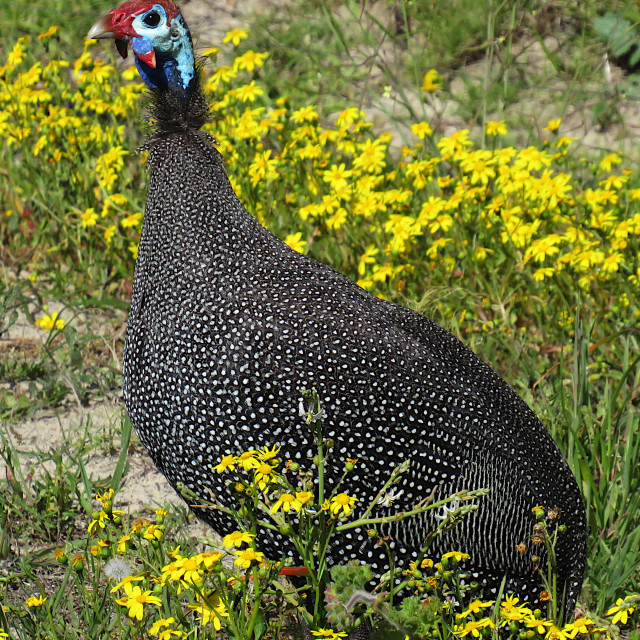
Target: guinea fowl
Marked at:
228, 325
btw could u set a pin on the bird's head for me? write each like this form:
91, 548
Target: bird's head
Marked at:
159, 38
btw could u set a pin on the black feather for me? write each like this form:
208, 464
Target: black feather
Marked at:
228, 324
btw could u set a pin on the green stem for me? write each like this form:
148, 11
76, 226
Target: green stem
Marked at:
256, 603
397, 516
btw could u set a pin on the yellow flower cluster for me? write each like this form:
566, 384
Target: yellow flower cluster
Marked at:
519, 616
262, 462
50, 322
65, 123
442, 208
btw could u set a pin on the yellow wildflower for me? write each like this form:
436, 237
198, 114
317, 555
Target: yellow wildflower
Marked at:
578, 626
132, 220
295, 241
475, 607
237, 539
268, 454
473, 627
540, 626
50, 322
211, 609
49, 33
109, 232
456, 142
247, 460
223, 73
249, 61
235, 36
305, 114
34, 601
183, 569
328, 634
264, 474
556, 633
342, 502
609, 161
246, 557
371, 158
89, 218
153, 532
553, 125
421, 130
127, 580
249, 92
495, 128
227, 462
456, 555
348, 116
135, 599
337, 176
622, 609
431, 81
157, 627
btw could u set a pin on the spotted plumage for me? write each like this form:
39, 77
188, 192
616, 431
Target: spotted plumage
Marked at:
228, 325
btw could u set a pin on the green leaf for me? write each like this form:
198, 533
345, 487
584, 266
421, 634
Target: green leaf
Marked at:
617, 32
125, 440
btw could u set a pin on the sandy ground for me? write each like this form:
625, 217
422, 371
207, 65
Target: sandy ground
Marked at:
69, 428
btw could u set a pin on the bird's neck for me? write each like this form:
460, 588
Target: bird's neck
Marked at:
178, 108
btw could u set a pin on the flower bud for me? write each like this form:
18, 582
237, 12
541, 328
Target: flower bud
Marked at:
237, 586
77, 562
60, 556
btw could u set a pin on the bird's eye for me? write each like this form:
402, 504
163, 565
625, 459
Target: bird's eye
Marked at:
152, 19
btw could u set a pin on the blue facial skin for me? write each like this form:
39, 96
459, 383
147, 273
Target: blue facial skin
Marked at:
175, 65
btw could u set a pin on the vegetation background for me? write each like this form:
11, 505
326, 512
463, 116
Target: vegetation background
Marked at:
520, 236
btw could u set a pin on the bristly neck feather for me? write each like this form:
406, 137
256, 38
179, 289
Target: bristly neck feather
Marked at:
174, 111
